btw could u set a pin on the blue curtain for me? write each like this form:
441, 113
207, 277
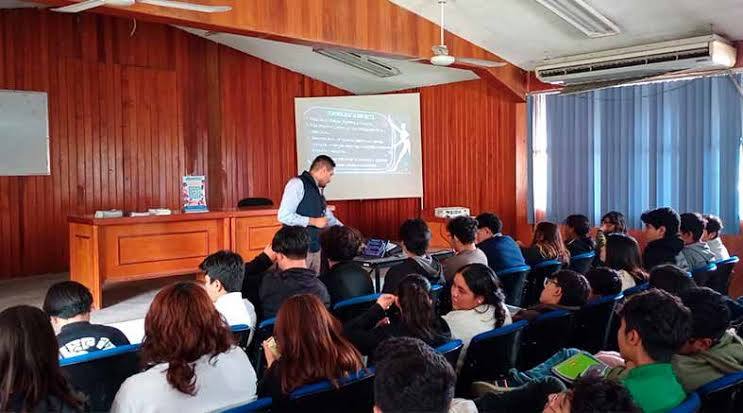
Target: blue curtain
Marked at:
634, 148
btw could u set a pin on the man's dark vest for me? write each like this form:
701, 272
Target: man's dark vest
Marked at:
313, 206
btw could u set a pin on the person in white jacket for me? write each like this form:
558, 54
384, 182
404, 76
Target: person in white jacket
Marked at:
713, 239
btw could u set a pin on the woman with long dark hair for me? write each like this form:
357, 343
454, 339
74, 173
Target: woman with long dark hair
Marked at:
415, 318
307, 346
478, 303
612, 222
190, 358
30, 377
622, 253
547, 244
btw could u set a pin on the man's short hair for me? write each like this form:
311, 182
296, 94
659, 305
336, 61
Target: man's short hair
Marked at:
604, 281
596, 394
491, 221
67, 299
670, 278
660, 319
463, 228
693, 223
415, 235
340, 243
579, 223
412, 377
322, 161
575, 287
227, 267
291, 241
714, 224
663, 217
709, 314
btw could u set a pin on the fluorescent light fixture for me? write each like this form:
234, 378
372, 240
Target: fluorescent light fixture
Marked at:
583, 17
359, 61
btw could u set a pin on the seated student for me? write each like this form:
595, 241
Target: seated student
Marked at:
224, 272
564, 290
671, 279
30, 377
695, 250
345, 278
577, 240
712, 351
191, 360
611, 223
664, 242
712, 237
622, 253
415, 237
604, 282
68, 304
549, 395
413, 377
416, 318
479, 305
289, 250
462, 233
308, 346
546, 245
501, 250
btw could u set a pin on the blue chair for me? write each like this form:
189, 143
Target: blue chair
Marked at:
98, 375
353, 307
636, 289
262, 333
690, 405
724, 394
451, 351
241, 332
720, 279
544, 336
593, 324
702, 275
490, 355
581, 263
354, 393
535, 281
513, 281
261, 405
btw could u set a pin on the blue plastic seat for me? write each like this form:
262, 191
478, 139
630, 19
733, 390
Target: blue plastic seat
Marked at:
593, 324
582, 262
241, 332
261, 405
702, 275
636, 289
354, 393
451, 351
724, 394
690, 405
262, 333
513, 281
544, 336
720, 279
353, 307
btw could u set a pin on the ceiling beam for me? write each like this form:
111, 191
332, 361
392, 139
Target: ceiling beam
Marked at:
372, 26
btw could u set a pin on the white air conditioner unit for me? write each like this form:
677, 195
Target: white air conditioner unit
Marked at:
694, 54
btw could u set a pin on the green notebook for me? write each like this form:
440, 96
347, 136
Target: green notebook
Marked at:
576, 366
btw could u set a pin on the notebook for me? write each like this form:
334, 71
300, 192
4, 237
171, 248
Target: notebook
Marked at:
577, 366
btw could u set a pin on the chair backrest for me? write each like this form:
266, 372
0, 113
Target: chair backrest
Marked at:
690, 405
544, 336
249, 202
260, 405
702, 275
582, 262
490, 355
353, 307
535, 281
98, 375
241, 333
354, 394
593, 323
451, 351
724, 394
636, 289
513, 281
262, 332
720, 279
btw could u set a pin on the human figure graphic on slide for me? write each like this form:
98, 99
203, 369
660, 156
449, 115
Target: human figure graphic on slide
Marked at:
403, 137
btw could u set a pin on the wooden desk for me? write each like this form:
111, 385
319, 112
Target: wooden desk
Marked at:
135, 248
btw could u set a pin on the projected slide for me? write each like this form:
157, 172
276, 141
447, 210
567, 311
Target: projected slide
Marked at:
374, 140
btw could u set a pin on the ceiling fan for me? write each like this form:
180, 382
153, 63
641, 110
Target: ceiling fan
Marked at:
89, 4
441, 56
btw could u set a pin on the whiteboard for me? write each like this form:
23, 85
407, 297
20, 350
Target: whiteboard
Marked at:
24, 133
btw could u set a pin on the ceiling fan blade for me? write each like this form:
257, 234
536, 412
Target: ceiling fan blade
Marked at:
186, 6
81, 6
480, 62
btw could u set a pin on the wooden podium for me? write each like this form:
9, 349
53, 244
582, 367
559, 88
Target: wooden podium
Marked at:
135, 248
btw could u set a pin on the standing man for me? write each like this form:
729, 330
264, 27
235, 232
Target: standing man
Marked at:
303, 204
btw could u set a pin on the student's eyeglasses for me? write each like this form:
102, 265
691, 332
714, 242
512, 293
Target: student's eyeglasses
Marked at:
551, 280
